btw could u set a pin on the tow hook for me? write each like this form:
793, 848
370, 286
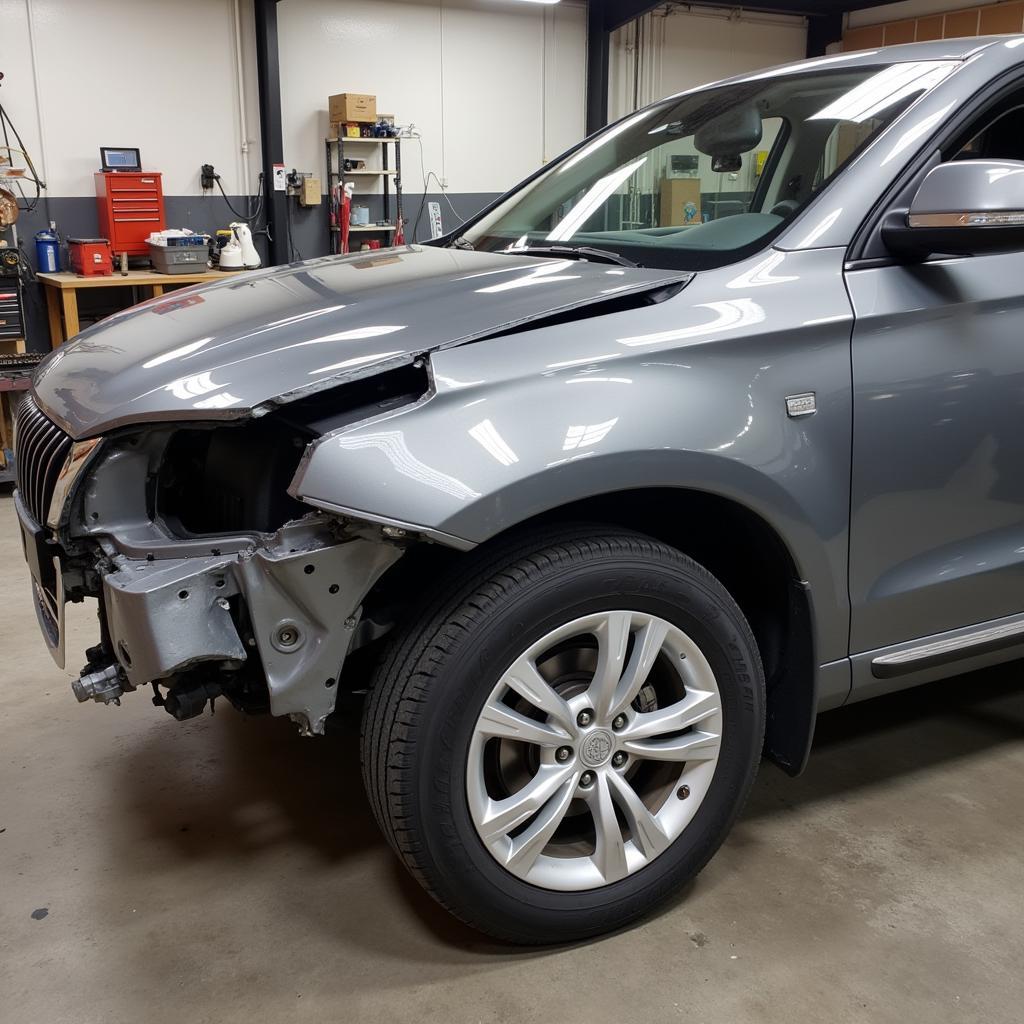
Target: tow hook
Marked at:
106, 685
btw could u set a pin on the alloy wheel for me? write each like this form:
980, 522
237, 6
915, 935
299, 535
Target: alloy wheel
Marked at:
594, 750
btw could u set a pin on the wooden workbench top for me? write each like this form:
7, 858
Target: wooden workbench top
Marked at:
134, 278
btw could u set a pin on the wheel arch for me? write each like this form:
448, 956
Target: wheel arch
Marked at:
727, 538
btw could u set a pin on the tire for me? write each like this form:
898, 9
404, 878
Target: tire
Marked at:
452, 678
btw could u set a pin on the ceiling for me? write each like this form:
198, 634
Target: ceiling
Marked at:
618, 12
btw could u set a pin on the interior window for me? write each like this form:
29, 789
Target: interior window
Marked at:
675, 185
709, 176
843, 141
1000, 138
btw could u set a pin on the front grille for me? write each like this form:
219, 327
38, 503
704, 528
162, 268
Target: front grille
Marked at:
40, 450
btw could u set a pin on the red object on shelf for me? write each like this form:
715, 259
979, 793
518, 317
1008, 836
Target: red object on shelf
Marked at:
130, 206
346, 213
90, 257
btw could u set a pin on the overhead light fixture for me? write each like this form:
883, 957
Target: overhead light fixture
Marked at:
538, 1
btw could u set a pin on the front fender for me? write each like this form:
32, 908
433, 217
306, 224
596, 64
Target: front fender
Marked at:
510, 433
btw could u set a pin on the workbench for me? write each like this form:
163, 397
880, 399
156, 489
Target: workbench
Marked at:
8, 387
62, 293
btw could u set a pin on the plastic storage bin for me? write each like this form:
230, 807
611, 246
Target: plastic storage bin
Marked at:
188, 258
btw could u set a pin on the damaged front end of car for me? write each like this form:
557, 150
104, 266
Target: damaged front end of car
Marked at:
162, 461
211, 579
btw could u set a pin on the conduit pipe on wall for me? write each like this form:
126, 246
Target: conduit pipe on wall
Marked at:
30, 16
731, 14
242, 121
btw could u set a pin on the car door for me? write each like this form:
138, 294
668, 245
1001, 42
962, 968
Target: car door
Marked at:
937, 495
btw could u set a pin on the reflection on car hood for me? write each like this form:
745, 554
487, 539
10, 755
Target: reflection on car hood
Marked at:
226, 348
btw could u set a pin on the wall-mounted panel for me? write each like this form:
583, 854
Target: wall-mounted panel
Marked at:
960, 23
929, 28
930, 19
1004, 18
897, 32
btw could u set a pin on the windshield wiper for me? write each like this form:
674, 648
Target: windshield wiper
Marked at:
460, 243
572, 252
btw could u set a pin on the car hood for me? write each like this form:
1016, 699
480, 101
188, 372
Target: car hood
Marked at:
235, 346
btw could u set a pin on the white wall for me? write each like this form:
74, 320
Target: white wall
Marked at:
906, 9
685, 49
149, 73
494, 87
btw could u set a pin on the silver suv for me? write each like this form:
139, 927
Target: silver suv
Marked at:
710, 425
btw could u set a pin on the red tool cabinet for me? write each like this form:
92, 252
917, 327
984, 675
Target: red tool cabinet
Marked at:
130, 205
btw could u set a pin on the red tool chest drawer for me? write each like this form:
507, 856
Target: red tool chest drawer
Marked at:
130, 205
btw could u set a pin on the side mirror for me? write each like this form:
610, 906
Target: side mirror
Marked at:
961, 209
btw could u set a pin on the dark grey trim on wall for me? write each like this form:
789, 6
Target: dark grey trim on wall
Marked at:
75, 217
309, 231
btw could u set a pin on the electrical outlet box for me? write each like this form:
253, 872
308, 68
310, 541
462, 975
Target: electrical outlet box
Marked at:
309, 193
436, 227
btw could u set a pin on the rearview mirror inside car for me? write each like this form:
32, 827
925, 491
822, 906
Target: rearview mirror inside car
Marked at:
962, 208
726, 164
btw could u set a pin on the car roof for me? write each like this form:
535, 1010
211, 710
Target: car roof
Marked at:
933, 49
936, 49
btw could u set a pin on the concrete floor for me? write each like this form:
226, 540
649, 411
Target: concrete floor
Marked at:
227, 870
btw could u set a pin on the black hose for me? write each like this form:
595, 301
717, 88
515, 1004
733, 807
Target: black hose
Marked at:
249, 217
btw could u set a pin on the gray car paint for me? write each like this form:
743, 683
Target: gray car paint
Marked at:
993, 185
936, 530
689, 392
223, 350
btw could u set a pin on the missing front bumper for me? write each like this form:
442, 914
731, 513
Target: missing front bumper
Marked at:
302, 590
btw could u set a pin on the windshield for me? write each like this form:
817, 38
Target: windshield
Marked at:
708, 178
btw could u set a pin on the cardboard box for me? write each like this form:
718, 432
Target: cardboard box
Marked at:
309, 194
676, 193
352, 106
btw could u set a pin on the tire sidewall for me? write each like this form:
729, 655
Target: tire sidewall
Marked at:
672, 590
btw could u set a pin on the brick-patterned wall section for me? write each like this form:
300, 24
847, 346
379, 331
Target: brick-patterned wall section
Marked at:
992, 19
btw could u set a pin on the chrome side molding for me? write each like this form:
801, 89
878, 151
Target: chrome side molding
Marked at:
966, 219
965, 644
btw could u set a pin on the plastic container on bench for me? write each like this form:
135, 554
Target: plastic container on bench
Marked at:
180, 254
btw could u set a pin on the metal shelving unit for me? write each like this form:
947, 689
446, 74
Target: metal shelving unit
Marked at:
390, 177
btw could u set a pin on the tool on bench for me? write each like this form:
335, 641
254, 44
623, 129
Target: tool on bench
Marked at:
239, 253
179, 251
90, 257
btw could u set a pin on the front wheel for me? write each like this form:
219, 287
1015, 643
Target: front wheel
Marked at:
568, 739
